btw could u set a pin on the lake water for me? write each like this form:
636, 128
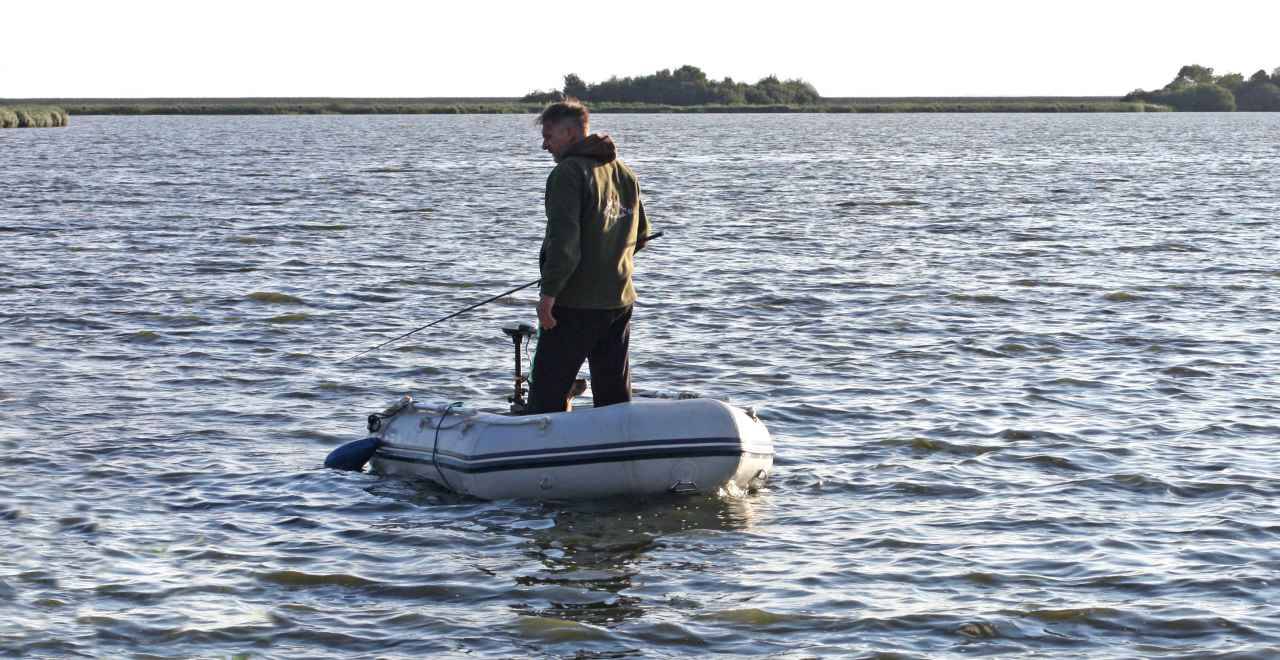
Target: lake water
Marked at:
1022, 372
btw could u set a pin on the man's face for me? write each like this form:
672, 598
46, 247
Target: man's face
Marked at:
557, 137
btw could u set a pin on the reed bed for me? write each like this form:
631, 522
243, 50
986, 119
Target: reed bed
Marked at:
1000, 106
337, 108
26, 116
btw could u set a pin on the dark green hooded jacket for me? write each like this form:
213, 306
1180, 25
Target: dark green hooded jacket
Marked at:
594, 216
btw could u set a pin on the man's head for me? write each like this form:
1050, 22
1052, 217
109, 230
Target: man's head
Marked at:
564, 124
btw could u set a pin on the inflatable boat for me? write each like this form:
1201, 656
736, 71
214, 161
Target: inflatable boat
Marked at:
641, 448
650, 446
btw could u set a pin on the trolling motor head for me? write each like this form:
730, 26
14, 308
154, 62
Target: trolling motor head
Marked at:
519, 332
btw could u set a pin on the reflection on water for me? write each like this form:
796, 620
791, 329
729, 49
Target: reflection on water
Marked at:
586, 554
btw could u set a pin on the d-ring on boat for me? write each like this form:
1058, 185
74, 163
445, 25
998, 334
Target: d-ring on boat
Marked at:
646, 447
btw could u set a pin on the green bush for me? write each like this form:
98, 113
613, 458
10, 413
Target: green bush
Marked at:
1262, 96
1197, 89
1231, 81
1196, 97
543, 97
686, 86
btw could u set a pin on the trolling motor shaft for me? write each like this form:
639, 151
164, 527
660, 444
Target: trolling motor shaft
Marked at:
519, 332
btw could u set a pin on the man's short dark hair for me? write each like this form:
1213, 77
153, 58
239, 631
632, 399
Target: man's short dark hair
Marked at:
562, 112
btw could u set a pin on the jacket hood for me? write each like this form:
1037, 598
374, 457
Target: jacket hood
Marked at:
596, 146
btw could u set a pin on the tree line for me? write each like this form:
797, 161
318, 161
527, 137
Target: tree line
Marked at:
685, 86
1197, 89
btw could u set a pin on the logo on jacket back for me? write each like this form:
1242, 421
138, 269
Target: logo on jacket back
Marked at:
613, 211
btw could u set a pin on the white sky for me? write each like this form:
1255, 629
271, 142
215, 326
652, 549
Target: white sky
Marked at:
133, 48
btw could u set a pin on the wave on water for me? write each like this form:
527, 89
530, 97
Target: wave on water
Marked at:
143, 336
1180, 371
560, 631
982, 298
323, 227
881, 203
929, 445
1155, 248
299, 317
274, 298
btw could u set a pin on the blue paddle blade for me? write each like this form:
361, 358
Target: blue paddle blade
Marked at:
353, 455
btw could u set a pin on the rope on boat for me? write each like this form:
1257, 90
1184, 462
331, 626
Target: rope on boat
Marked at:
436, 446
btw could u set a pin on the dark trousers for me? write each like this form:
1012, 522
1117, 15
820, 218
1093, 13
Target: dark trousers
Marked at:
602, 337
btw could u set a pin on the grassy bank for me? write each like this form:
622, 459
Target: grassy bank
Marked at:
32, 116
497, 105
1006, 105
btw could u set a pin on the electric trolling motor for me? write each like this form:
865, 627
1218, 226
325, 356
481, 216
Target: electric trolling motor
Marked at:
519, 332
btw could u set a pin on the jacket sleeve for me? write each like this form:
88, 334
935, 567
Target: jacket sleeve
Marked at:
562, 243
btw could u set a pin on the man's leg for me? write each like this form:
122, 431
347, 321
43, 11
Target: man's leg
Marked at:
610, 362
556, 361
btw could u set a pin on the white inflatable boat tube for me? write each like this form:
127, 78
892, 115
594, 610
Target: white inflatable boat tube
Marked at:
641, 448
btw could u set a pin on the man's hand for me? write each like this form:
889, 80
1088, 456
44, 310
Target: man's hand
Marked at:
545, 319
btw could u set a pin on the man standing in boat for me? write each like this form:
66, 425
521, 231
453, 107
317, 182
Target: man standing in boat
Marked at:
595, 224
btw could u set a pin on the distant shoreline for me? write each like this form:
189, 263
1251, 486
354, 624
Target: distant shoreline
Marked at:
502, 105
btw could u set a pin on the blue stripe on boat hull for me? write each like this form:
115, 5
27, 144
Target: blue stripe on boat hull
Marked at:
558, 461
638, 444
